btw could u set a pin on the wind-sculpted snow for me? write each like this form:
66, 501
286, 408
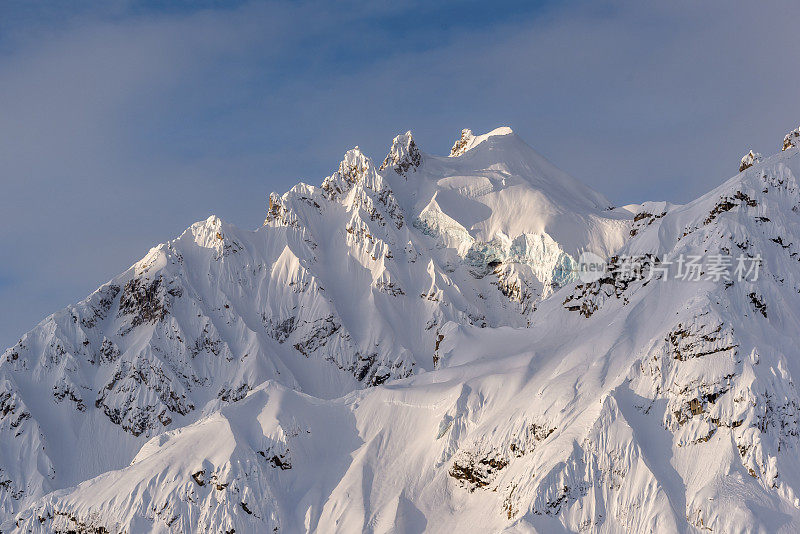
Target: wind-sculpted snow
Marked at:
407, 349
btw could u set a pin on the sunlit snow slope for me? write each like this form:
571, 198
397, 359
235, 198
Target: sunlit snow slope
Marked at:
222, 383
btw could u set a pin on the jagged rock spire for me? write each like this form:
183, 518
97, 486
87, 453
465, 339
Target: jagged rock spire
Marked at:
749, 159
354, 168
791, 139
404, 155
460, 146
355, 165
275, 211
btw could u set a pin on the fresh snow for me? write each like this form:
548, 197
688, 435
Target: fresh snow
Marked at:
407, 348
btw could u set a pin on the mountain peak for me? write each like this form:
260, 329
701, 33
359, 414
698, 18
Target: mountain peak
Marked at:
403, 155
791, 139
468, 140
354, 164
222, 366
353, 169
749, 159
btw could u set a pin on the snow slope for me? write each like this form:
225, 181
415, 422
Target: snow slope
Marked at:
219, 384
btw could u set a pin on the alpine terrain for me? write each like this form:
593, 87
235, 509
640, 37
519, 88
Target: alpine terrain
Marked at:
412, 346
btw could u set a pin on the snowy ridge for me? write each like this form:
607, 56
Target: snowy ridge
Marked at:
468, 140
220, 382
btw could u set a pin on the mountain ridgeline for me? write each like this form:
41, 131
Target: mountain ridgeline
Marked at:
408, 347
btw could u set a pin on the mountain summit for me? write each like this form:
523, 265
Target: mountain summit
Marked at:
409, 347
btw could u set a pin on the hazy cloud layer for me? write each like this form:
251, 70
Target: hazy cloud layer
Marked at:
121, 123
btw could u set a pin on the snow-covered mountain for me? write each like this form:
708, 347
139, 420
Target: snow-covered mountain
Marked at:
407, 348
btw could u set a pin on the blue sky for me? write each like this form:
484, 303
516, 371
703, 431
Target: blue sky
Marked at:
121, 123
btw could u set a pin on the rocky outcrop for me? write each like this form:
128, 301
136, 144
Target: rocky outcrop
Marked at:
404, 156
462, 144
749, 159
792, 139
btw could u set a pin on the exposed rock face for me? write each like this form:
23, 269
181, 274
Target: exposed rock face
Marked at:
354, 169
404, 156
792, 139
749, 159
460, 146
